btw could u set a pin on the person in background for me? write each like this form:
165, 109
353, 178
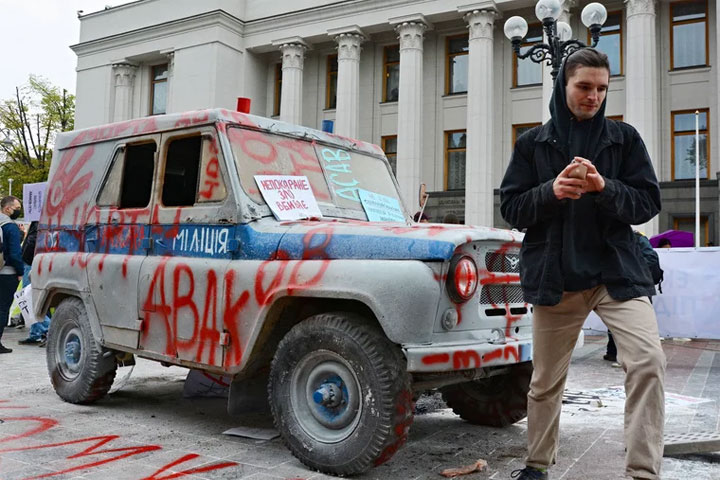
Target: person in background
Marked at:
420, 218
451, 218
12, 272
38, 330
664, 243
28, 251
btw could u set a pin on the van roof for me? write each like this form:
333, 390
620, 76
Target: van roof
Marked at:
174, 121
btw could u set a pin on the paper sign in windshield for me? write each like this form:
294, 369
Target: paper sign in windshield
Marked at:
289, 197
381, 208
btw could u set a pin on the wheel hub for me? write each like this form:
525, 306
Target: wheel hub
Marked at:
72, 351
328, 395
69, 352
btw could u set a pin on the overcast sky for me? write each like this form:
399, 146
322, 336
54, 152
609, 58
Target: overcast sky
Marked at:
35, 37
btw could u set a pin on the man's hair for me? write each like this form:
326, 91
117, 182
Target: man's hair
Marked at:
585, 57
9, 200
664, 241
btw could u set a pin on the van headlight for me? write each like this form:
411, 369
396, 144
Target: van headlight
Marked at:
462, 279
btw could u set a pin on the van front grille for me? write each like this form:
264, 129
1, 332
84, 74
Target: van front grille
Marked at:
500, 295
502, 262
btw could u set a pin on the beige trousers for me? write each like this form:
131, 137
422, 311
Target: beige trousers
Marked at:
634, 328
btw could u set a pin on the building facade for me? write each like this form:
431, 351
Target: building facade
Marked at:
434, 82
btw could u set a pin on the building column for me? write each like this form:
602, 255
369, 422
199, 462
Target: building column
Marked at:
293, 58
641, 87
124, 74
547, 84
479, 201
411, 31
170, 83
348, 81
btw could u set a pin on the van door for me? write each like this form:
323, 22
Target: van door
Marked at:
181, 292
115, 236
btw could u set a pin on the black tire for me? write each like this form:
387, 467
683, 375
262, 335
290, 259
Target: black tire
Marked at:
497, 401
340, 394
80, 369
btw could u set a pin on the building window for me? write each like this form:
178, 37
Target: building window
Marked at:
391, 73
158, 89
611, 42
331, 82
688, 34
456, 65
527, 72
455, 146
687, 224
278, 89
521, 128
683, 144
389, 146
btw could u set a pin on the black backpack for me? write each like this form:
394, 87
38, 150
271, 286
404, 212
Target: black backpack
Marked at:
651, 259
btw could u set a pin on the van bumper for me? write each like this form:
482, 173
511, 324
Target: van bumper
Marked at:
446, 358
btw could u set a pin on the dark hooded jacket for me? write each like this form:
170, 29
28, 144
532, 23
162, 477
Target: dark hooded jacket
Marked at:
572, 245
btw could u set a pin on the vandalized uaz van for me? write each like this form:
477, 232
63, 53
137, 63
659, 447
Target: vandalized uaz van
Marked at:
158, 239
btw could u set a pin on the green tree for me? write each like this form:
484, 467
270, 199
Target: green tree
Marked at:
29, 123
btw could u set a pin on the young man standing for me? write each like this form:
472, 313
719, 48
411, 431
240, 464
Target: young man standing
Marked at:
12, 272
577, 184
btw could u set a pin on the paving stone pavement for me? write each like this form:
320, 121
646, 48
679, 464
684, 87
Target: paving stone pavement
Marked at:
147, 430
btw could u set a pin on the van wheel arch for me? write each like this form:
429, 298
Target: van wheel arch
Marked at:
284, 314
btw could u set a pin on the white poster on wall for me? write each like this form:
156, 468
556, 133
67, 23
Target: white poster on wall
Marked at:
689, 304
33, 197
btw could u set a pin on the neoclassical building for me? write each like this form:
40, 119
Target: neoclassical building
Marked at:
434, 82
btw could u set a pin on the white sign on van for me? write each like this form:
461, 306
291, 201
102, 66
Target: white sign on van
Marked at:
33, 196
289, 197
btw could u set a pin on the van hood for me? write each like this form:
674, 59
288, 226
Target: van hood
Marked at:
349, 239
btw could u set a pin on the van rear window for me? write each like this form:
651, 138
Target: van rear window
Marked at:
335, 174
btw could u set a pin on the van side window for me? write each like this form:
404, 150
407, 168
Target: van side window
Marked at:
182, 166
129, 183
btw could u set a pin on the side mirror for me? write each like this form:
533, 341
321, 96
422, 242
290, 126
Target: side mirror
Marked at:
422, 195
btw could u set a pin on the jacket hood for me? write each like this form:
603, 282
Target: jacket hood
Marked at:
346, 239
4, 218
566, 125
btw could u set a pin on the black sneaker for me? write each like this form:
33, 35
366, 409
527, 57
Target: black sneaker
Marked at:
28, 341
610, 358
529, 473
4, 349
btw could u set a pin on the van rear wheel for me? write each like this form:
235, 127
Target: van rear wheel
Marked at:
497, 401
81, 371
340, 394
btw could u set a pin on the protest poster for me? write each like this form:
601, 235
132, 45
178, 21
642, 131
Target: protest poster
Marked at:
289, 197
33, 196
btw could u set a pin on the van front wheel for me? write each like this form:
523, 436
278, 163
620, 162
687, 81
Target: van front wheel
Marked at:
81, 371
340, 394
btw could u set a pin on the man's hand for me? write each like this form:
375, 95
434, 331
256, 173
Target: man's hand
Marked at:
595, 181
565, 186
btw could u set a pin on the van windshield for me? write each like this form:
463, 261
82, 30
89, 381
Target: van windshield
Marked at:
335, 174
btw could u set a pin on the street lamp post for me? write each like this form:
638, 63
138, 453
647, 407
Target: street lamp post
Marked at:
559, 34
10, 180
